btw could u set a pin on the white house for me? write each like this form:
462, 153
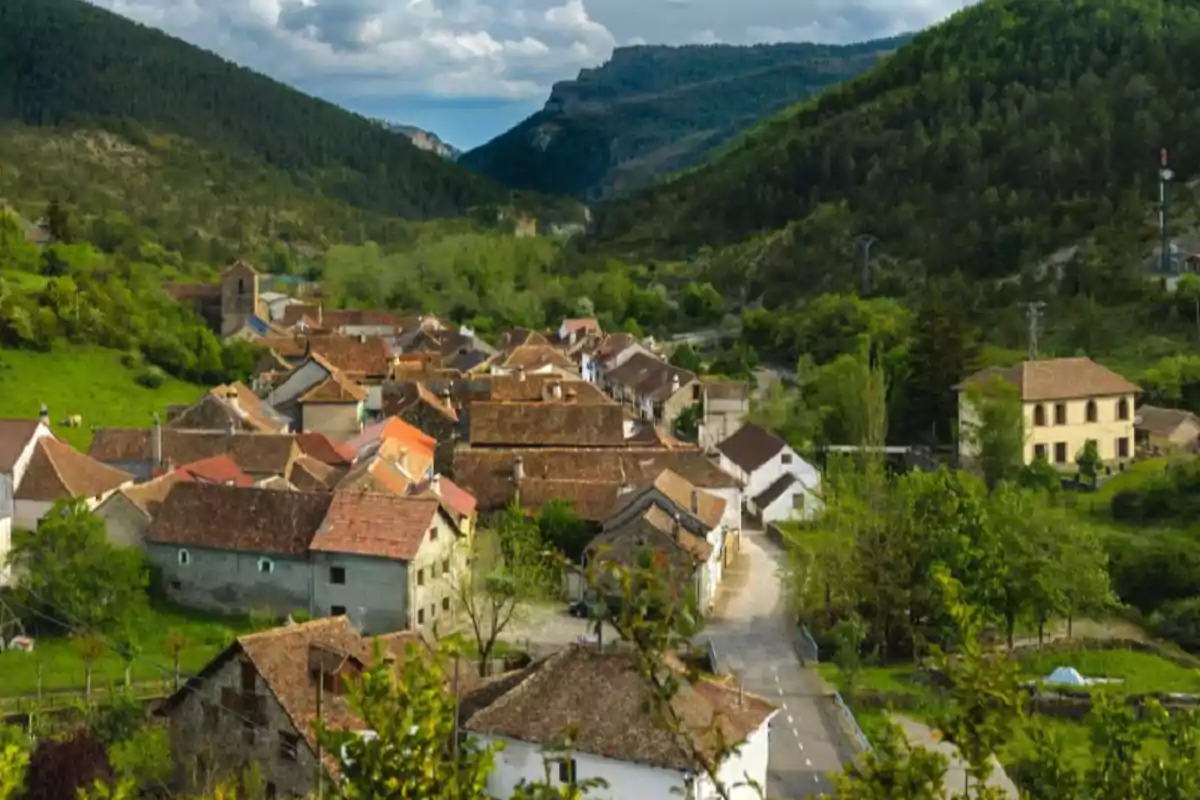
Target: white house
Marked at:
599, 699
778, 483
17, 439
56, 471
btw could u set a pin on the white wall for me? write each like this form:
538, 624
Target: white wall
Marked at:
5, 547
762, 478
731, 468
626, 781
749, 763
732, 519
8, 486
784, 506
29, 512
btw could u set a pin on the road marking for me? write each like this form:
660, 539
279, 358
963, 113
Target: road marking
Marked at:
790, 720
796, 733
816, 778
808, 762
781, 692
800, 743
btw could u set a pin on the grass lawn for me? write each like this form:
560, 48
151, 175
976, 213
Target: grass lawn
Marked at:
62, 668
85, 380
1139, 672
893, 680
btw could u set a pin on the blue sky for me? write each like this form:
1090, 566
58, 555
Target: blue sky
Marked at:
470, 69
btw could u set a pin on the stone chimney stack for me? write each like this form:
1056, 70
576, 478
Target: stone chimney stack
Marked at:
156, 443
44, 415
674, 382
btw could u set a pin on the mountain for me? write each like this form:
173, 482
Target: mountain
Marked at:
652, 110
426, 140
1013, 129
67, 63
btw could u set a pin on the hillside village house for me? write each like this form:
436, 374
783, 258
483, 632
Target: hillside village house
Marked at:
129, 512
57, 471
778, 484
1066, 402
673, 517
17, 440
386, 561
653, 388
146, 452
1166, 430
229, 406
601, 698
336, 407
257, 700
725, 405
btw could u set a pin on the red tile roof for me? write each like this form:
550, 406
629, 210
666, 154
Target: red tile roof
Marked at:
379, 525
14, 437
335, 389
458, 499
324, 449
1057, 379
397, 430
216, 469
546, 424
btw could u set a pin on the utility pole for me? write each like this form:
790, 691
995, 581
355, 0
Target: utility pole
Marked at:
864, 242
1164, 177
1034, 312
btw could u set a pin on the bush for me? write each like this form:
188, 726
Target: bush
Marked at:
151, 377
301, 616
133, 360
1179, 622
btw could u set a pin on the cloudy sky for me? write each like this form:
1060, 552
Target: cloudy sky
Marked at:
469, 69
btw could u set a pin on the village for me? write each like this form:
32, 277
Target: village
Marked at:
347, 492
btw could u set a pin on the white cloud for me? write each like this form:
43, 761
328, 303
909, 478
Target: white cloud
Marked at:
357, 52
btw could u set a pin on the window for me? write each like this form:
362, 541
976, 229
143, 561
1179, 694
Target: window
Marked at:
420, 577
185, 557
566, 770
176, 585
433, 533
241, 285
1123, 447
249, 677
337, 575
446, 567
266, 566
1039, 415
212, 716
1122, 409
446, 604
420, 616
337, 611
289, 746
1039, 452
1060, 413
786, 459
1060, 452
695, 392
433, 611
1092, 415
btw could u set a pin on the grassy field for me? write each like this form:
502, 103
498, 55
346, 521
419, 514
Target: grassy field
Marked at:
89, 381
1138, 473
63, 669
1138, 673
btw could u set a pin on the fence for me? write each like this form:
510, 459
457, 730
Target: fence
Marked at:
806, 647
848, 716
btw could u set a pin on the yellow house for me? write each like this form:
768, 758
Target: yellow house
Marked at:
1066, 402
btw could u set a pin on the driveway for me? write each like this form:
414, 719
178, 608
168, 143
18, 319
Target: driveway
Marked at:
753, 639
545, 627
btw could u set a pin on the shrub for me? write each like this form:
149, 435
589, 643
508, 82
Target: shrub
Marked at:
133, 360
151, 377
1179, 621
301, 616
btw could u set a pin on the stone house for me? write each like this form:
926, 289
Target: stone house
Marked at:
17, 440
434, 416
612, 352
146, 452
535, 359
229, 406
1065, 402
778, 484
653, 388
129, 511
387, 561
600, 700
336, 407
57, 471
256, 703
1166, 430
413, 451
725, 405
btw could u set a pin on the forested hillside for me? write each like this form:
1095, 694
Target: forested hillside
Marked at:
1013, 129
652, 110
67, 62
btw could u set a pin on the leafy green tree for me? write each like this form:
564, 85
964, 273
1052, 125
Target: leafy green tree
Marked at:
685, 357
994, 429
14, 762
891, 770
69, 571
1088, 461
58, 222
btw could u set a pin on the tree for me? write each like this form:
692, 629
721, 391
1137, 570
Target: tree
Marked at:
893, 771
58, 222
994, 429
14, 762
70, 572
687, 424
90, 646
562, 529
1088, 461
174, 646
685, 357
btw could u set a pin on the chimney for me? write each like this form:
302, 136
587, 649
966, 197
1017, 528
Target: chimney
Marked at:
695, 502
520, 373
674, 382
156, 443
556, 390
44, 415
362, 338
230, 429
519, 470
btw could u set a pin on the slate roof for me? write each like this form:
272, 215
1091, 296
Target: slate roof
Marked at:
650, 376
57, 470
1162, 421
546, 424
14, 436
235, 518
751, 446
602, 699
776, 490
379, 525
1057, 379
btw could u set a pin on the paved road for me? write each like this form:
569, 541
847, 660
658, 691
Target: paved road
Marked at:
920, 735
752, 638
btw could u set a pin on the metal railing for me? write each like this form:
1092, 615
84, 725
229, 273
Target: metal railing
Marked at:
861, 737
806, 647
